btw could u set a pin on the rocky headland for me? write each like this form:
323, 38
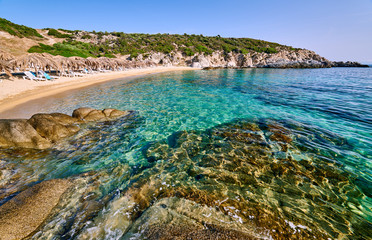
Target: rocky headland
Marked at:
282, 59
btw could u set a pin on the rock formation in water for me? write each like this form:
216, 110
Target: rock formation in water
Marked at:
41, 131
24, 213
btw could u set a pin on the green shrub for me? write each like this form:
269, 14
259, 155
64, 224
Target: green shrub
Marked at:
188, 52
67, 49
57, 34
86, 36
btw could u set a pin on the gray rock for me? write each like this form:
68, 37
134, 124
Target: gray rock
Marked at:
348, 64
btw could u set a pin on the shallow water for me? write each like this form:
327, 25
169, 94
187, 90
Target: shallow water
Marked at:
281, 153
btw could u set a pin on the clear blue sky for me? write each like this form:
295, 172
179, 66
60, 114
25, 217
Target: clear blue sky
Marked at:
336, 29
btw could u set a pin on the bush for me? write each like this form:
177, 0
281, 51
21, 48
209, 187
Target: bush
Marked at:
66, 49
86, 36
188, 52
57, 34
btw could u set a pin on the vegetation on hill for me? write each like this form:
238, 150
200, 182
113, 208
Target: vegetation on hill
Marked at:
18, 30
97, 44
69, 49
135, 44
57, 34
189, 44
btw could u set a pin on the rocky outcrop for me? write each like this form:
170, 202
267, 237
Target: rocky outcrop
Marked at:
284, 58
54, 126
90, 114
348, 64
24, 213
41, 131
19, 133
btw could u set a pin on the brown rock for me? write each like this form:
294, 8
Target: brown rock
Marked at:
95, 115
114, 113
174, 218
80, 113
19, 133
90, 114
24, 213
54, 126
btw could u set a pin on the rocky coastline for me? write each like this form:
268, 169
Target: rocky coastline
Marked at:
282, 59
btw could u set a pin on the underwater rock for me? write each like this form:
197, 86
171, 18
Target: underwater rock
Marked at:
19, 133
41, 131
263, 172
175, 218
24, 213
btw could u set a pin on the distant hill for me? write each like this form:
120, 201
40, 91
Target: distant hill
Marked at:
159, 49
96, 44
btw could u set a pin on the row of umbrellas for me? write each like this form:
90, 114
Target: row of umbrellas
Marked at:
46, 61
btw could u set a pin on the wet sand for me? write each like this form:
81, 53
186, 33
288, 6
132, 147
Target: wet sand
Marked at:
15, 93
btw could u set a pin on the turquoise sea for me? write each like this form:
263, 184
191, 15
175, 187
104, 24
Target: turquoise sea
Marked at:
271, 153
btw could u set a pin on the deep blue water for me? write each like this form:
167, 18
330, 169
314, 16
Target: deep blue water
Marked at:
326, 112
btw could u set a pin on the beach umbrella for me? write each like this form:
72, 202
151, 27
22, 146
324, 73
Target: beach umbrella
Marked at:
6, 56
77, 62
61, 61
31, 60
105, 62
92, 62
6, 66
51, 62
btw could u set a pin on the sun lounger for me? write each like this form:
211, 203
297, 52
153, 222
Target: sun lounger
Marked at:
103, 70
45, 75
92, 71
75, 74
31, 76
85, 71
65, 74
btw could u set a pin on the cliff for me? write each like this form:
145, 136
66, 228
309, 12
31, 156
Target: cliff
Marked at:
282, 59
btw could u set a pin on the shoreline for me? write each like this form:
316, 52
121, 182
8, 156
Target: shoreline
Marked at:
19, 91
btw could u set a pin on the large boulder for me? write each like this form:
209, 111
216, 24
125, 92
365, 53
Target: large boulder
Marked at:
19, 133
90, 114
54, 126
24, 213
42, 130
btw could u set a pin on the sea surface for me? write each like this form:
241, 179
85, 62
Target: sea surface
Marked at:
266, 153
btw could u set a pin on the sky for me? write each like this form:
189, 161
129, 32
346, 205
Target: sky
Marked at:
339, 30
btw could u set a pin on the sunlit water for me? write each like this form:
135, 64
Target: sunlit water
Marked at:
279, 153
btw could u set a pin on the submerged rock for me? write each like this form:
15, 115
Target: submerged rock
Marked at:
24, 213
264, 173
41, 131
175, 218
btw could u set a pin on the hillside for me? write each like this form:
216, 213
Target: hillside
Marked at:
96, 44
164, 49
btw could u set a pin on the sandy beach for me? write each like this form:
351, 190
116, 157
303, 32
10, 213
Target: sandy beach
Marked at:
19, 91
